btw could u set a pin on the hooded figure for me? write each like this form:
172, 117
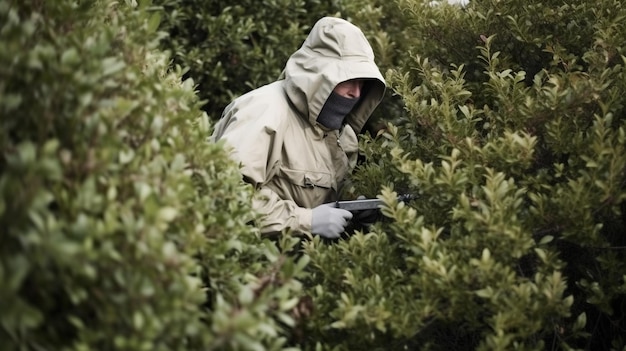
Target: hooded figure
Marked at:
296, 138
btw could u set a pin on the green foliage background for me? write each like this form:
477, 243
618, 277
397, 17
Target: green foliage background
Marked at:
123, 228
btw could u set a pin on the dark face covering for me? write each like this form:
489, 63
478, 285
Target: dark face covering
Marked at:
335, 110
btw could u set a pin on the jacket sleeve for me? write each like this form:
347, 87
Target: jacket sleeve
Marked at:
278, 214
255, 141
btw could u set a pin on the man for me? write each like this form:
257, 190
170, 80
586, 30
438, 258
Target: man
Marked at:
296, 138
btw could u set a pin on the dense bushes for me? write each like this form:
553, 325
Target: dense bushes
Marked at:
91, 185
231, 48
122, 228
513, 137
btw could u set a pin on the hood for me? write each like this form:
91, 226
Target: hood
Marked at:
334, 51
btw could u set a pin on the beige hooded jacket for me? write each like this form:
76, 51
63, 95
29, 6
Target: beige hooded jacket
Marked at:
294, 162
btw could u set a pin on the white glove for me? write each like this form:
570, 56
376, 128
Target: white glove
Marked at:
328, 221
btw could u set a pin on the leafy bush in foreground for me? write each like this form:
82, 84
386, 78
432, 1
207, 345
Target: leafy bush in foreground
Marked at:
122, 228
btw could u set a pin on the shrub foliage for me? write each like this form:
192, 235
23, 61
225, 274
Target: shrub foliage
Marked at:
123, 228
231, 48
513, 137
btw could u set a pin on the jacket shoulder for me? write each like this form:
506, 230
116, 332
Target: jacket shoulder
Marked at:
266, 105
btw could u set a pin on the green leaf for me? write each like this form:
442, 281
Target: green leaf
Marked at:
154, 22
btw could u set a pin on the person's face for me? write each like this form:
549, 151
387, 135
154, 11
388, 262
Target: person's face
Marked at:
350, 88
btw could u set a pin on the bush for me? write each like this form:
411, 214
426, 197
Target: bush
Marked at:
123, 228
513, 137
231, 49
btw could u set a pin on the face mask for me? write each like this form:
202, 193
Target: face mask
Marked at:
335, 110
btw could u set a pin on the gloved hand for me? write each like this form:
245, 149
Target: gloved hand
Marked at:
328, 221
